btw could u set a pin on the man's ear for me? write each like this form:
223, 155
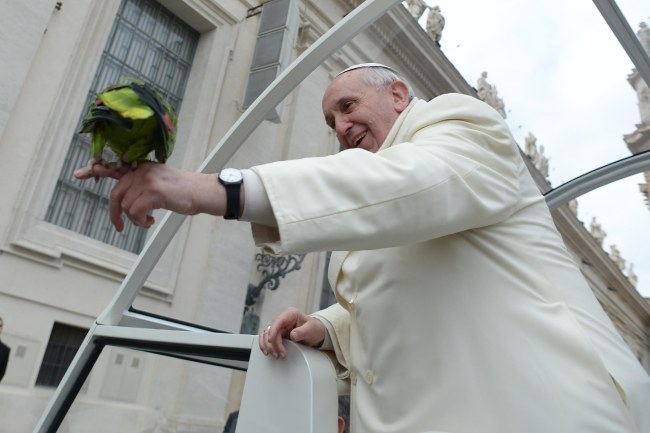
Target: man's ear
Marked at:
400, 92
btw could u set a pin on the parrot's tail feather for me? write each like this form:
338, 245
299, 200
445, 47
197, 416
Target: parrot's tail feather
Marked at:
151, 98
103, 113
164, 142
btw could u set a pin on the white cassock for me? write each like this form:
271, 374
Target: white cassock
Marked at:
460, 309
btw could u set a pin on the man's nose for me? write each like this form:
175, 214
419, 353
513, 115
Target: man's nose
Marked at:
342, 126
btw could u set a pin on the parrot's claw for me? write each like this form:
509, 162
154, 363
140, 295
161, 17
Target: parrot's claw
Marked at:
91, 164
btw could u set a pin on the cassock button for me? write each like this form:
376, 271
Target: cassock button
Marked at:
369, 377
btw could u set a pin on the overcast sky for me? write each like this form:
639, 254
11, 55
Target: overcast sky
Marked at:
563, 76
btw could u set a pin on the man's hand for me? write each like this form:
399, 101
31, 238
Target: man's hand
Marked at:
294, 325
153, 186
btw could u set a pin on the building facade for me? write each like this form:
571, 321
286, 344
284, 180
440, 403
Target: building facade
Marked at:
61, 262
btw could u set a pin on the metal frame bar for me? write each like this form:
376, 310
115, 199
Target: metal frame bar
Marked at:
597, 178
225, 350
618, 24
117, 312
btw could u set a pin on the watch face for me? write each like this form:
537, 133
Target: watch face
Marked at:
230, 175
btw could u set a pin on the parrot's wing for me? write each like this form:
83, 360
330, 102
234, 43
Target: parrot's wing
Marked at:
101, 113
97, 122
138, 150
149, 97
165, 134
126, 103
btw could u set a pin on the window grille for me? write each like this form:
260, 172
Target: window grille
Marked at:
146, 42
64, 342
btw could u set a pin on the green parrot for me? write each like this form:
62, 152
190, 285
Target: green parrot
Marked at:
134, 121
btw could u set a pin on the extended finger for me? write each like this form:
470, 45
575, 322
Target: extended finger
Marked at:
100, 171
115, 201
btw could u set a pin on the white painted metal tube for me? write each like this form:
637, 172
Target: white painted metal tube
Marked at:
597, 178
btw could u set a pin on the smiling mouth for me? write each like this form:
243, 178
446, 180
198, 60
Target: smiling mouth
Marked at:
357, 140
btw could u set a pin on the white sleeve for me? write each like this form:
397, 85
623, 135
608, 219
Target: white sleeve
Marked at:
337, 322
257, 207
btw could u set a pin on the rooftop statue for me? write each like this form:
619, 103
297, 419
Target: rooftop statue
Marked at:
616, 257
435, 23
488, 93
531, 147
416, 8
631, 276
597, 231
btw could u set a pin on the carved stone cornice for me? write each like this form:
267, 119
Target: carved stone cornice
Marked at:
307, 35
352, 3
627, 309
399, 37
414, 51
638, 142
582, 243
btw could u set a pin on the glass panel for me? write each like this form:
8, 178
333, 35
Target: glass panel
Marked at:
151, 63
132, 10
162, 29
258, 82
267, 50
274, 15
139, 45
176, 39
119, 45
147, 21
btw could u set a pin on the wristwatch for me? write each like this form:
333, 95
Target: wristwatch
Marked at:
231, 179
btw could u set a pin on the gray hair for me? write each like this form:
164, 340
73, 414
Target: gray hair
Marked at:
380, 76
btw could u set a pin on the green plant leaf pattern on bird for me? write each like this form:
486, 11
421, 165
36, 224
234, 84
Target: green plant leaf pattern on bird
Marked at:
134, 121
